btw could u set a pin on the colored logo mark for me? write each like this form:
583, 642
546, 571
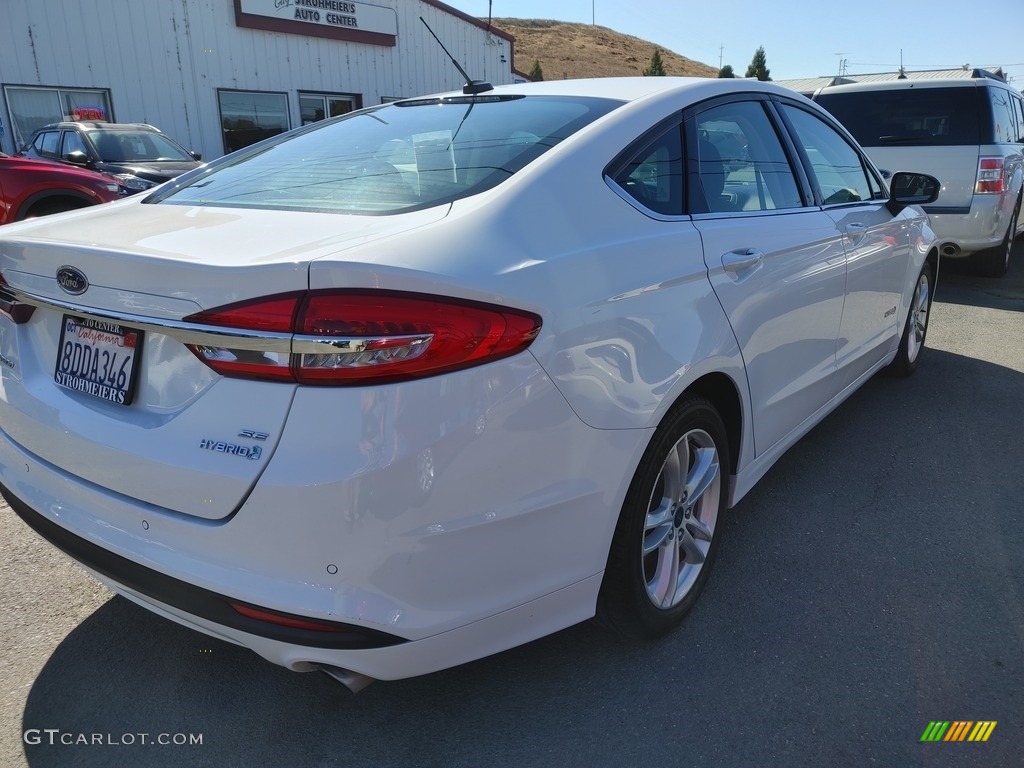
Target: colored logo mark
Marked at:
958, 730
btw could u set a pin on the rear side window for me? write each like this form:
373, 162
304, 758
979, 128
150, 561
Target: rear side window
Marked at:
46, 143
916, 117
1018, 109
654, 175
1004, 120
741, 163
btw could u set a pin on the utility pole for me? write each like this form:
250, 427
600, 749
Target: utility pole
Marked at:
593, 13
721, 50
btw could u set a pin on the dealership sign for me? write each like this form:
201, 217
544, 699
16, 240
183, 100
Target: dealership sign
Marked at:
337, 19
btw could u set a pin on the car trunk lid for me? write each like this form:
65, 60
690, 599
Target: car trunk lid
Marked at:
189, 441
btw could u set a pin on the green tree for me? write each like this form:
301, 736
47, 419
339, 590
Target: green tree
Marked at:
536, 73
726, 71
759, 66
656, 69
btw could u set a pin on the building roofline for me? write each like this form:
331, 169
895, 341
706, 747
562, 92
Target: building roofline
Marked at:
470, 19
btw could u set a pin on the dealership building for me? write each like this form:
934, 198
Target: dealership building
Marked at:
218, 75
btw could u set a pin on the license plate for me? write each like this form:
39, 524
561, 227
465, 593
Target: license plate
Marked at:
97, 357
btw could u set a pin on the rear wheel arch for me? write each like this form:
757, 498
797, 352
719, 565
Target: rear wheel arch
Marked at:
721, 391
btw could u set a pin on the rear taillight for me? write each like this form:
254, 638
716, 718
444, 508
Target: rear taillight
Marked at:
991, 176
353, 337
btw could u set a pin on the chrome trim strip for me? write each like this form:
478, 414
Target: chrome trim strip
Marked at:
186, 333
214, 336
333, 345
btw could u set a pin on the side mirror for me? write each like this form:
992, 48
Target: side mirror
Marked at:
196, 156
912, 189
78, 157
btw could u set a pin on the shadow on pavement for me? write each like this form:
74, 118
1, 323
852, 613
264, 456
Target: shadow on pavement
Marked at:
959, 285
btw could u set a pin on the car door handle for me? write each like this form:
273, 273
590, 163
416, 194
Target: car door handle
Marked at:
856, 229
742, 260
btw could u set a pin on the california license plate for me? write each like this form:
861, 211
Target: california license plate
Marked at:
98, 358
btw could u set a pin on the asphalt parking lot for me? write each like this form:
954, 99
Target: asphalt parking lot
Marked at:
872, 583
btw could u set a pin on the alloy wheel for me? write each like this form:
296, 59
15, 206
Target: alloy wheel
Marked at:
681, 518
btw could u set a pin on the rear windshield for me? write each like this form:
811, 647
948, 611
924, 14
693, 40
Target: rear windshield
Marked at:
915, 117
395, 158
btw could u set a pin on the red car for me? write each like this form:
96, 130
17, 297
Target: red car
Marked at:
36, 188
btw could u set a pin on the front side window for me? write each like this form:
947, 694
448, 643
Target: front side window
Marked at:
741, 163
250, 116
72, 142
393, 158
836, 167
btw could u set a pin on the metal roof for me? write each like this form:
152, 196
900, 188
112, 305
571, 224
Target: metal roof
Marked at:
809, 85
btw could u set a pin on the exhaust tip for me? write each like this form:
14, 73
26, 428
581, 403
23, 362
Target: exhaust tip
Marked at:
950, 249
354, 681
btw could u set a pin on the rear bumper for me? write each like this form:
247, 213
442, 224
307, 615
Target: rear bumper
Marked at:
982, 225
505, 544
188, 599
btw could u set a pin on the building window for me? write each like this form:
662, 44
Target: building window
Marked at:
319, 106
32, 108
250, 116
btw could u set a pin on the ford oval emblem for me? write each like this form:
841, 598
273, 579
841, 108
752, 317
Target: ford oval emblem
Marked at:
72, 280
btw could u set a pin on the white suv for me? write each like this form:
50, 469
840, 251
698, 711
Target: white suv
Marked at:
969, 133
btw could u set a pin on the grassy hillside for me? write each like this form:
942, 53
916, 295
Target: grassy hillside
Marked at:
567, 50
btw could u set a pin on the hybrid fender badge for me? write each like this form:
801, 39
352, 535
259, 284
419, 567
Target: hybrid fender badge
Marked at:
220, 446
72, 280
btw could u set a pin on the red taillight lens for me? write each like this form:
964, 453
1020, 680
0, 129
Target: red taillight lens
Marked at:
352, 337
991, 176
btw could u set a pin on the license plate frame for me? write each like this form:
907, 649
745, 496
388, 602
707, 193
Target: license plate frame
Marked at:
98, 358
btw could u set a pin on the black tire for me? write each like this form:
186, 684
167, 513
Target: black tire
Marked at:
657, 515
994, 262
915, 330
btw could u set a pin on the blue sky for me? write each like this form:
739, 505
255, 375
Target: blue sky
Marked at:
803, 39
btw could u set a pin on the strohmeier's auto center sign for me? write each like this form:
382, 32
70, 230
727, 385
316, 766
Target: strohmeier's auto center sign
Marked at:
338, 19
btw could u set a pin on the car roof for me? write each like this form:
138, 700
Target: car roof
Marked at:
630, 88
899, 85
89, 125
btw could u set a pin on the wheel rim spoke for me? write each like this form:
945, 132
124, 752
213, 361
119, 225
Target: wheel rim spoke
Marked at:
659, 525
667, 576
693, 551
698, 530
702, 475
674, 471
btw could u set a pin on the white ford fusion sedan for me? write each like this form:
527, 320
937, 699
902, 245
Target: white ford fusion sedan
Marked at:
408, 387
